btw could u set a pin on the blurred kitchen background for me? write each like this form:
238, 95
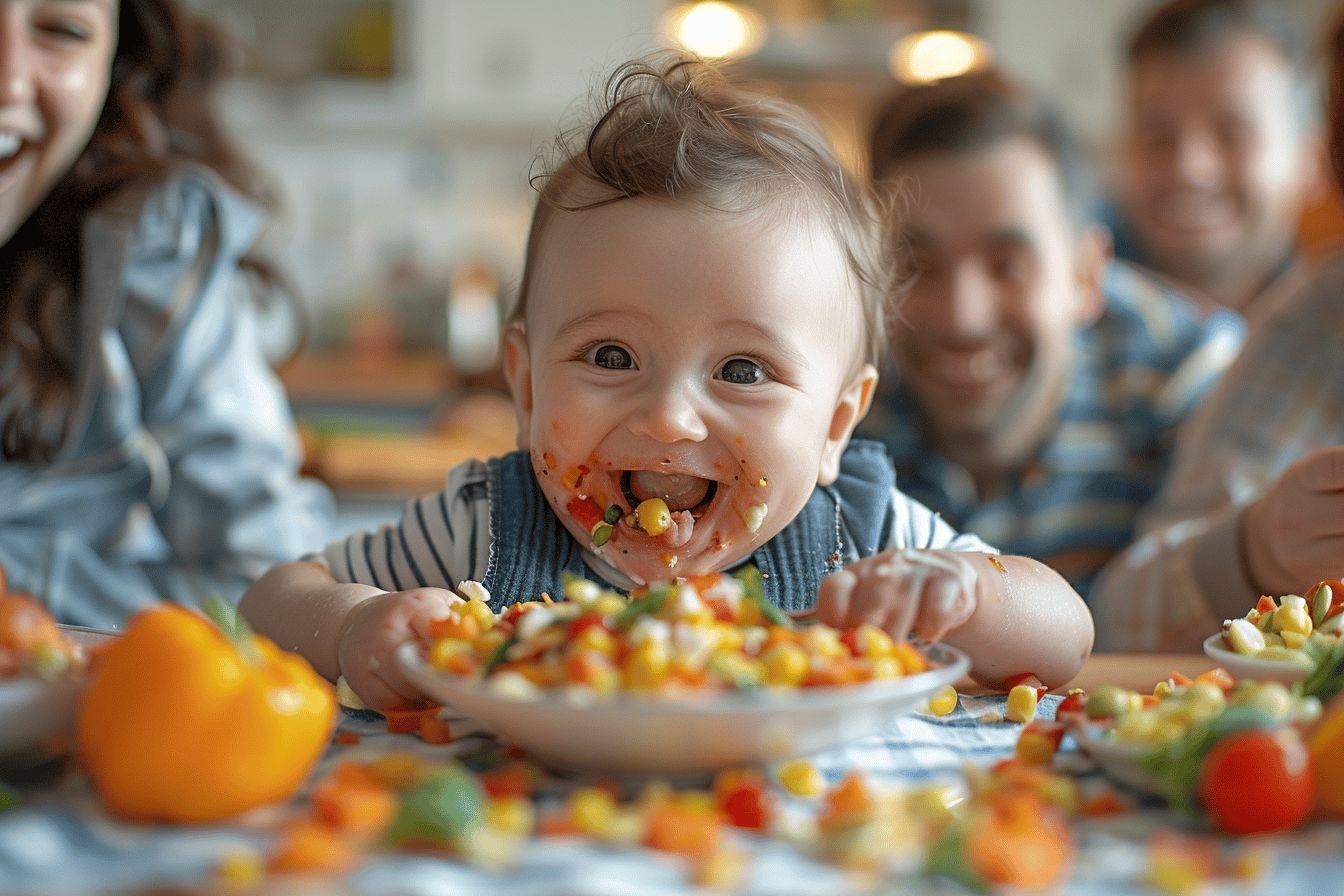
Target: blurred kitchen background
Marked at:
402, 133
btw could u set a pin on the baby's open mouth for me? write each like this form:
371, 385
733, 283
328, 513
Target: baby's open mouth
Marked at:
680, 491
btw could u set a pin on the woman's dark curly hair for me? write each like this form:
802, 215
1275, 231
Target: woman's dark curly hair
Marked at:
159, 112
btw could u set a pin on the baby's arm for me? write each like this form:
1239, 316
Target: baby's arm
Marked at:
1027, 618
345, 629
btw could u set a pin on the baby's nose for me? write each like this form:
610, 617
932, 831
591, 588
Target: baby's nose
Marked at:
668, 416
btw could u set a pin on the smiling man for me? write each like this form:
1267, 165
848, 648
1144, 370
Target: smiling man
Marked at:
1218, 151
1036, 382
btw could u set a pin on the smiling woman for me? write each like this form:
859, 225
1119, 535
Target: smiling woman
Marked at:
142, 433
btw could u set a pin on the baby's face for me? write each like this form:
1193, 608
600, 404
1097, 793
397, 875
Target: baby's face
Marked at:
700, 357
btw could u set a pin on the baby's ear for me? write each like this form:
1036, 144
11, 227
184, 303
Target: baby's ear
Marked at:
518, 372
849, 410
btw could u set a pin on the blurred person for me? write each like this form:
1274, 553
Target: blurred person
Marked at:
694, 342
1255, 501
1035, 383
1219, 152
147, 449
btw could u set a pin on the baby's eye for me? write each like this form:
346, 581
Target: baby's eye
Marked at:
741, 372
613, 357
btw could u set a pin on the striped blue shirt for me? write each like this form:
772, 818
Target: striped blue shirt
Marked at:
1139, 370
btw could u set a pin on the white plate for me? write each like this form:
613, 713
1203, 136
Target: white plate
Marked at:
1119, 762
37, 718
686, 735
1285, 671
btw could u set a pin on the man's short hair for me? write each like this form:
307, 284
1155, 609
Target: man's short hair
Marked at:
1186, 28
1182, 27
977, 112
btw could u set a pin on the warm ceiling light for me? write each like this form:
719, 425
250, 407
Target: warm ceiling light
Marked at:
928, 56
715, 30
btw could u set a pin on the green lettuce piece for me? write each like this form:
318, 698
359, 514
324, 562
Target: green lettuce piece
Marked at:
442, 809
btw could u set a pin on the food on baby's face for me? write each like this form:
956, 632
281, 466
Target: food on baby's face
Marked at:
709, 634
1291, 629
649, 516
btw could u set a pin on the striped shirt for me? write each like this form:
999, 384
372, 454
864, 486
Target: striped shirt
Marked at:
443, 538
1283, 398
1139, 370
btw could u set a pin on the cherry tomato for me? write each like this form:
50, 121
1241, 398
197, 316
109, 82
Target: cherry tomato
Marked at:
1254, 782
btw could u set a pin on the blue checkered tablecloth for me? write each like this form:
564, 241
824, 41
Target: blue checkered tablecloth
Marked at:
60, 841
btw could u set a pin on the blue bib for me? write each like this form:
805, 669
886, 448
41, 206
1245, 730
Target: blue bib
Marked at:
530, 549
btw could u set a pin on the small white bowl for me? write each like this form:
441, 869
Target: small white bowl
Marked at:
1253, 668
37, 718
686, 735
1122, 763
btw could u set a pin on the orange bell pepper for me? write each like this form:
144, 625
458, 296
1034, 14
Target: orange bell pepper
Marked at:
1324, 743
191, 722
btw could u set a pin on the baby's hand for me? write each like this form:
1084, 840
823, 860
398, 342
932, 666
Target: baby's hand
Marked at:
928, 593
373, 632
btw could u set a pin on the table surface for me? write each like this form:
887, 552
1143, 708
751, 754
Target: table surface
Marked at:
63, 837
1137, 671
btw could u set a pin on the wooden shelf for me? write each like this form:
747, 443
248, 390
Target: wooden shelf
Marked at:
341, 379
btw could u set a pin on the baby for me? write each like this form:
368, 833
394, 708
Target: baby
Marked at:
694, 342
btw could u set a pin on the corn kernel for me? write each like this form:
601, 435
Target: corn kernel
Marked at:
646, 666
785, 665
874, 642
488, 643
801, 778
754, 516
1035, 748
609, 603
480, 611
886, 668
653, 516
512, 815
1021, 703
592, 810
582, 591
823, 642
242, 867
944, 701
1245, 638
594, 637
1290, 618
1162, 690
446, 653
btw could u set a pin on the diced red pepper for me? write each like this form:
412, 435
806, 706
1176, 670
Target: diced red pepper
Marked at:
406, 719
510, 780
746, 806
1074, 702
1107, 802
1053, 730
585, 622
1218, 676
585, 510
1265, 604
434, 730
1180, 679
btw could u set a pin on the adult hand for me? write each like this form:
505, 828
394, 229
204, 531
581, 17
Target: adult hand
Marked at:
1294, 535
